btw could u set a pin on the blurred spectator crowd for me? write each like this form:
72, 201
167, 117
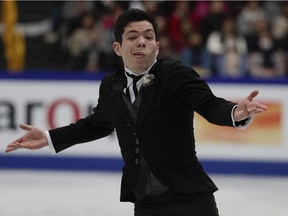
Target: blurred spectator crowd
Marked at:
230, 39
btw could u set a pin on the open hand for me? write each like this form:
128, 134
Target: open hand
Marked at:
247, 107
35, 138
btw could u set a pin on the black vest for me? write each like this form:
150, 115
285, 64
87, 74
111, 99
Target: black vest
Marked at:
148, 186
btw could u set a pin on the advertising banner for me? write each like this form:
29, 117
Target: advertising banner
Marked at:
53, 103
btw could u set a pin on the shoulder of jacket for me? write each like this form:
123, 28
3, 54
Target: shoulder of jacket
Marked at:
114, 76
170, 67
169, 63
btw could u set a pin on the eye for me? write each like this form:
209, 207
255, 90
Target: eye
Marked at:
131, 37
149, 37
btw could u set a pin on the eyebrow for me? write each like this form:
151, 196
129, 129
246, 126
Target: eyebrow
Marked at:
134, 31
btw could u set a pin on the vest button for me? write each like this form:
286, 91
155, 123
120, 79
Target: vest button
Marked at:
137, 142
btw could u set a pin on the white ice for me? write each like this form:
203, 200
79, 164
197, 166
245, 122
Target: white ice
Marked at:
62, 193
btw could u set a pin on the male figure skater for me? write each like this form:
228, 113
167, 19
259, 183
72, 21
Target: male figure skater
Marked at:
150, 103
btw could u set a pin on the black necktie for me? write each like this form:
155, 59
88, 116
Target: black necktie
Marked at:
135, 80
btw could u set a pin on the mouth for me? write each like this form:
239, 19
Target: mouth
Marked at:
139, 54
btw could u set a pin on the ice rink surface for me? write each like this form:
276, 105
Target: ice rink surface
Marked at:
47, 193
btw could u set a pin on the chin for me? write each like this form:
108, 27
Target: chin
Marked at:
140, 67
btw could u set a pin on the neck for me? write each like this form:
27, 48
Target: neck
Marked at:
139, 73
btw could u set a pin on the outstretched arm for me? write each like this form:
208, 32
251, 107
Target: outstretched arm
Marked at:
34, 139
247, 107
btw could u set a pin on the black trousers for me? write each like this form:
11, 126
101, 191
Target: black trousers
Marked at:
200, 204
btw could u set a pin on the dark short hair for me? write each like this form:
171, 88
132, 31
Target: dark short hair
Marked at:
132, 15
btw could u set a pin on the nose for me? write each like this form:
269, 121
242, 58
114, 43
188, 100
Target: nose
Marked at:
141, 42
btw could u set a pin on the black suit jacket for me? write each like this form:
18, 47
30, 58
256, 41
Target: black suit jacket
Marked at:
163, 130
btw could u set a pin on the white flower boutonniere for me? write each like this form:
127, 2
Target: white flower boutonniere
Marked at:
148, 79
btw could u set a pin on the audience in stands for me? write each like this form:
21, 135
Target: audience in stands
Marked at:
265, 60
217, 38
84, 45
228, 50
196, 55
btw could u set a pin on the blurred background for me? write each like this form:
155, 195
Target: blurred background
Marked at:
53, 55
220, 38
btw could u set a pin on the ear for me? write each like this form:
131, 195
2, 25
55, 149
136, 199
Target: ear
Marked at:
158, 45
117, 48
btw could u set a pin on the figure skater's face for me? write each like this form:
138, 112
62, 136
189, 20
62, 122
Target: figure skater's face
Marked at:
139, 47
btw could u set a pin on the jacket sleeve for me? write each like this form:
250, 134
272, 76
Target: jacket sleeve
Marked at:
92, 127
186, 86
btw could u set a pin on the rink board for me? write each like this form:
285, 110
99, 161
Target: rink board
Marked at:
49, 102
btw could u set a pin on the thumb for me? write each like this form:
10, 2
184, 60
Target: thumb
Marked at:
252, 95
25, 127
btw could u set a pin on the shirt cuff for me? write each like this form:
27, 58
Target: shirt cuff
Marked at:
241, 124
52, 149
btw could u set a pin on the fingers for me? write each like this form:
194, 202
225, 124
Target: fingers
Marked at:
252, 95
17, 144
13, 147
254, 108
25, 127
261, 107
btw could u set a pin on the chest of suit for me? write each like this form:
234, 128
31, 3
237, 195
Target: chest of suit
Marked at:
162, 131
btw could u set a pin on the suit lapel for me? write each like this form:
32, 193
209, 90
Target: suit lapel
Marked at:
119, 83
148, 93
